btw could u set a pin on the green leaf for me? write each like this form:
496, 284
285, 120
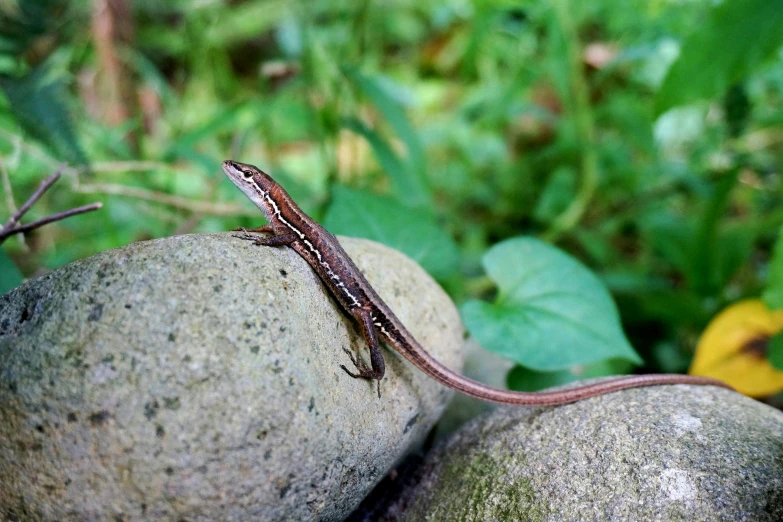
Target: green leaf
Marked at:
704, 267
670, 357
394, 114
37, 101
411, 231
551, 312
734, 246
775, 350
671, 238
522, 379
10, 276
223, 119
773, 293
674, 306
392, 111
404, 182
736, 38
243, 21
558, 193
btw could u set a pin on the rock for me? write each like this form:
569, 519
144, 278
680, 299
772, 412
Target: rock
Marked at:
480, 365
652, 454
197, 378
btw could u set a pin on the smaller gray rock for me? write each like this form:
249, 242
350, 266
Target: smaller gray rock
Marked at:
663, 453
480, 365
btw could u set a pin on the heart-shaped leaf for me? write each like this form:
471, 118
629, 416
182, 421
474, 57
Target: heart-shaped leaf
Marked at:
551, 312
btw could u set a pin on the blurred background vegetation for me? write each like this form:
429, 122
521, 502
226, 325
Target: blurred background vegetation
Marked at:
643, 138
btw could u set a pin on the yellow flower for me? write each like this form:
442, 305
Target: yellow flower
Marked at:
733, 349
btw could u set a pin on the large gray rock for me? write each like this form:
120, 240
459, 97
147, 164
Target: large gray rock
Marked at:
653, 454
197, 378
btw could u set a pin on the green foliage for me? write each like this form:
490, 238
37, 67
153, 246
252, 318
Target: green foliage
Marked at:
10, 276
737, 37
24, 22
244, 21
706, 271
773, 293
441, 130
37, 101
775, 350
406, 175
404, 181
36, 95
523, 379
411, 231
551, 313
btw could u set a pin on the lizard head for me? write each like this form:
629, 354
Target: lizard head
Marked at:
255, 183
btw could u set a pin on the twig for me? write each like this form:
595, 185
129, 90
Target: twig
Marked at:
6, 233
203, 207
43, 187
124, 166
579, 101
11, 228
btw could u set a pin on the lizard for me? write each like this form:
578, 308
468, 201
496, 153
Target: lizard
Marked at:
291, 226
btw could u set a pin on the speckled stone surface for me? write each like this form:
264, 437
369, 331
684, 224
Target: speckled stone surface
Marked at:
197, 378
667, 453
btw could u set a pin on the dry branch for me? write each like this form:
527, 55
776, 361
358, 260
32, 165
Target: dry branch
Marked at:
12, 227
202, 207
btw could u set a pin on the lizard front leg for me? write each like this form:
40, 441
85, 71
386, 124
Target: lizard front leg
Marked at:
266, 229
273, 241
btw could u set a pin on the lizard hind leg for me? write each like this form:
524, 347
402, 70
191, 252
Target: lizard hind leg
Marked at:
376, 356
363, 371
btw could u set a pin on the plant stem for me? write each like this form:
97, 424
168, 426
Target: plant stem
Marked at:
585, 129
204, 207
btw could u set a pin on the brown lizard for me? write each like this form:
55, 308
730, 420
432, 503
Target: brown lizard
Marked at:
290, 226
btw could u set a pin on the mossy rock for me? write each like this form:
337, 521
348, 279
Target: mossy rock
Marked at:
674, 453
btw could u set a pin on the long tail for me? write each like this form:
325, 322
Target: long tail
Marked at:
425, 362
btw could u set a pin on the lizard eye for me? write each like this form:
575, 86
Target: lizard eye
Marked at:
248, 175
